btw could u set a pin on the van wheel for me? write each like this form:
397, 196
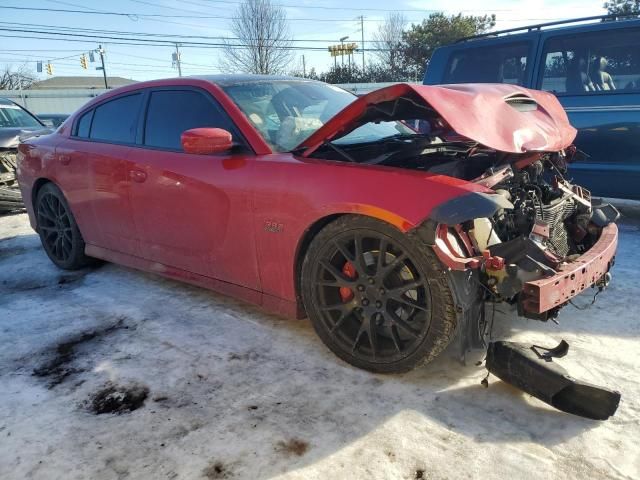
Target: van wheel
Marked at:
58, 229
378, 298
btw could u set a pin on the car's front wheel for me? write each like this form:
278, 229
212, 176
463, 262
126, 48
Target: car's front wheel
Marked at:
58, 229
377, 298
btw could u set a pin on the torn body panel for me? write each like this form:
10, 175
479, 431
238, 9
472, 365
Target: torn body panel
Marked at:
464, 110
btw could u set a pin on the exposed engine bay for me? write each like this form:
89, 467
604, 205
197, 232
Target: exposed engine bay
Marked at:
540, 222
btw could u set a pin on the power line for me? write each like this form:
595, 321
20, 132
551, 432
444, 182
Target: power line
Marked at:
148, 16
323, 7
135, 16
153, 38
145, 34
146, 41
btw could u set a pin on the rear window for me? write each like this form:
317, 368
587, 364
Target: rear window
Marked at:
491, 64
84, 124
116, 120
592, 63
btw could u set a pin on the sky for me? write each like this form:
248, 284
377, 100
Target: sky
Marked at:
313, 23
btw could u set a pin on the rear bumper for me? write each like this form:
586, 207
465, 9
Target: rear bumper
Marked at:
542, 295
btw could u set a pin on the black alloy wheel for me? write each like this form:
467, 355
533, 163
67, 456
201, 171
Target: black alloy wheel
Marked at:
58, 230
54, 223
368, 294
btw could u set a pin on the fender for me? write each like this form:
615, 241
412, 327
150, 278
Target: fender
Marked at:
284, 196
36, 163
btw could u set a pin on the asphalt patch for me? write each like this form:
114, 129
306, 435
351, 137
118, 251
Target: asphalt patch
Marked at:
11, 252
59, 368
118, 399
217, 470
28, 284
295, 446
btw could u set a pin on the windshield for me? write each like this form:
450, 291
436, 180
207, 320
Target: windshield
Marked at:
286, 113
14, 116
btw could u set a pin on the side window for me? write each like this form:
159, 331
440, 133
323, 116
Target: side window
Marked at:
592, 63
491, 64
84, 124
116, 120
171, 112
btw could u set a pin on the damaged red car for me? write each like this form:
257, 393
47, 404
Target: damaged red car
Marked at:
390, 220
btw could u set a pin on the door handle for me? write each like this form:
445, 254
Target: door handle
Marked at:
65, 159
138, 176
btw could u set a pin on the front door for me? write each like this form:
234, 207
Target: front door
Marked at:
191, 211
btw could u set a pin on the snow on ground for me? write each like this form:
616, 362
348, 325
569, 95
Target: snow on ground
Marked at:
236, 393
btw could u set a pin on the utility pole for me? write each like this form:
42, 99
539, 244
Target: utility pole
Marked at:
177, 60
342, 49
304, 68
104, 71
362, 31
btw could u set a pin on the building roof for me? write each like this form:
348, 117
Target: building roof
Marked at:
81, 82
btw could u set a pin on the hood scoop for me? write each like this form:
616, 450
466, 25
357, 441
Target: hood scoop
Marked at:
522, 103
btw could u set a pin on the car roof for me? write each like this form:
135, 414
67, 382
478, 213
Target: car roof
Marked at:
227, 80
573, 25
6, 101
221, 81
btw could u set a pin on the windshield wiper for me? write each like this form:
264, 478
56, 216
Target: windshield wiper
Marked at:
340, 151
408, 136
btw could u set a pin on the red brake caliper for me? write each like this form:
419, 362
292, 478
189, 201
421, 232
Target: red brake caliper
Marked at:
350, 272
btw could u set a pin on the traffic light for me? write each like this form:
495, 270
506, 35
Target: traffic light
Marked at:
49, 68
83, 61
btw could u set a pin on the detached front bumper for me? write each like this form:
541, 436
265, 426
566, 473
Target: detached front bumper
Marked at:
540, 296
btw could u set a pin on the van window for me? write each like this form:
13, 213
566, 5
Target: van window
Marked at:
592, 63
116, 120
491, 64
171, 112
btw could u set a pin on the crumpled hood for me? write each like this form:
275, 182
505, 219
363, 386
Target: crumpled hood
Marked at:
503, 117
11, 137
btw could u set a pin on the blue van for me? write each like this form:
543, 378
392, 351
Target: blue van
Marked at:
591, 64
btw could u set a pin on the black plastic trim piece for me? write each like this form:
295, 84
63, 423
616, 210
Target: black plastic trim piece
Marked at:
518, 365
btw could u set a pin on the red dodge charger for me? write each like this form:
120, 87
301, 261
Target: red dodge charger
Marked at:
390, 220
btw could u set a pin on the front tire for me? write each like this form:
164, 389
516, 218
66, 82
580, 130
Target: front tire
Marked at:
58, 230
377, 298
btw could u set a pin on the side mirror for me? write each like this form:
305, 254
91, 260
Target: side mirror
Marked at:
203, 141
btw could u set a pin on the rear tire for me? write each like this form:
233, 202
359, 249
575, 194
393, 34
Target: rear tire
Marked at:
58, 230
379, 299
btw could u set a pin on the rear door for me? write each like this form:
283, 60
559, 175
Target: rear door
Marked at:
103, 139
192, 211
596, 77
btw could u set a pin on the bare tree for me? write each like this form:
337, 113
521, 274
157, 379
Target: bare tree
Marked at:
388, 41
262, 43
16, 78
